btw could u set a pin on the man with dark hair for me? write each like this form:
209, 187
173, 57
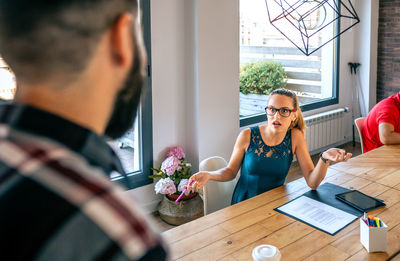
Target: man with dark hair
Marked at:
382, 124
80, 68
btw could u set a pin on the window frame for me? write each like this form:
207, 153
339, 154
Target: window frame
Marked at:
140, 178
257, 118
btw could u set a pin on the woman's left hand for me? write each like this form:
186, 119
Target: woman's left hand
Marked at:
336, 155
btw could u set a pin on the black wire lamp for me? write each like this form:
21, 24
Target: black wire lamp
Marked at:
309, 24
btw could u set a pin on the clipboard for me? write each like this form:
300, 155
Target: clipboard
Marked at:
325, 194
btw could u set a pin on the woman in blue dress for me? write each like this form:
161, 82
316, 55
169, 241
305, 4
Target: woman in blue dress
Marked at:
264, 153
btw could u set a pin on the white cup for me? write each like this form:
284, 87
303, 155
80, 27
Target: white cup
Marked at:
266, 253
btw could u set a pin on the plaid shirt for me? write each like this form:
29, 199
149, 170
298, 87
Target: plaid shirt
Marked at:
56, 199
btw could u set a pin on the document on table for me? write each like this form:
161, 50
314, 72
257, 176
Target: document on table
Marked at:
317, 214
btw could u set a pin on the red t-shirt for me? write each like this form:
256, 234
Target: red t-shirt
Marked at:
386, 111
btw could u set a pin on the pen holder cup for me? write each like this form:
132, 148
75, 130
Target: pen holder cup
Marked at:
374, 239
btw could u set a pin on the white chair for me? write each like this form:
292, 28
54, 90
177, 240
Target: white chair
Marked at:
216, 195
359, 122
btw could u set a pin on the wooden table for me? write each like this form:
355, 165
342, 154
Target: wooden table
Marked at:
231, 233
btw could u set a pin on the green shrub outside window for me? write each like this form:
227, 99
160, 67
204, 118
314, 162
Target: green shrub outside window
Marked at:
262, 77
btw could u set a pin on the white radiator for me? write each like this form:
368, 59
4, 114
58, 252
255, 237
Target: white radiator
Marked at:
325, 129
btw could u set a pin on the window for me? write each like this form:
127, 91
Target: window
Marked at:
135, 148
8, 82
314, 78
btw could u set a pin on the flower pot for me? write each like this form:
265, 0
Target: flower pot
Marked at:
174, 197
187, 209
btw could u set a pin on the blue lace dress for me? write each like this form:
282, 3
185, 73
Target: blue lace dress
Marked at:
264, 167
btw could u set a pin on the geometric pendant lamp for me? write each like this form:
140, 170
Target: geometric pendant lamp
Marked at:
310, 24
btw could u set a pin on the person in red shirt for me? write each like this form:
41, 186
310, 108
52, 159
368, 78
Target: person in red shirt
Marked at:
382, 124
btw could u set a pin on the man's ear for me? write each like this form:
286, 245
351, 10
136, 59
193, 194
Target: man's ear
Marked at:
121, 40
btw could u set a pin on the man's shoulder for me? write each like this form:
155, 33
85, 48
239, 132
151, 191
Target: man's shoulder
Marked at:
64, 182
386, 106
33, 156
393, 100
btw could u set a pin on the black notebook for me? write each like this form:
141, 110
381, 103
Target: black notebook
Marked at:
360, 201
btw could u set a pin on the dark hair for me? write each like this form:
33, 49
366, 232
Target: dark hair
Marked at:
299, 121
40, 38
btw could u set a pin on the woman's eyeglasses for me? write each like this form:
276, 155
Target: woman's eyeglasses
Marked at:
284, 112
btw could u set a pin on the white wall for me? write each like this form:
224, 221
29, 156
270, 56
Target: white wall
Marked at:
195, 78
218, 76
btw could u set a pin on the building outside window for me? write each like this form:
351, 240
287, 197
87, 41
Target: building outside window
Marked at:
313, 78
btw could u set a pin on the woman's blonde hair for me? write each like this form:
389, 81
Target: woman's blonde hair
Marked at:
298, 123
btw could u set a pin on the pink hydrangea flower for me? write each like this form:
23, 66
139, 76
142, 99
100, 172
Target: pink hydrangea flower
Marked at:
170, 165
165, 186
182, 184
176, 151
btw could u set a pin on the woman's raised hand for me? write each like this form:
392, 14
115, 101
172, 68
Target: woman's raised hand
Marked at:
199, 180
336, 155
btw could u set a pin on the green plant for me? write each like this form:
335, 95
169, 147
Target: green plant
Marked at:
262, 77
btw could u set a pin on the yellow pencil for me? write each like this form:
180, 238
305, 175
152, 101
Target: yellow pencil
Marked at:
377, 221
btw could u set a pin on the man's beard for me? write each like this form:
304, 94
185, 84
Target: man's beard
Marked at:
128, 99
